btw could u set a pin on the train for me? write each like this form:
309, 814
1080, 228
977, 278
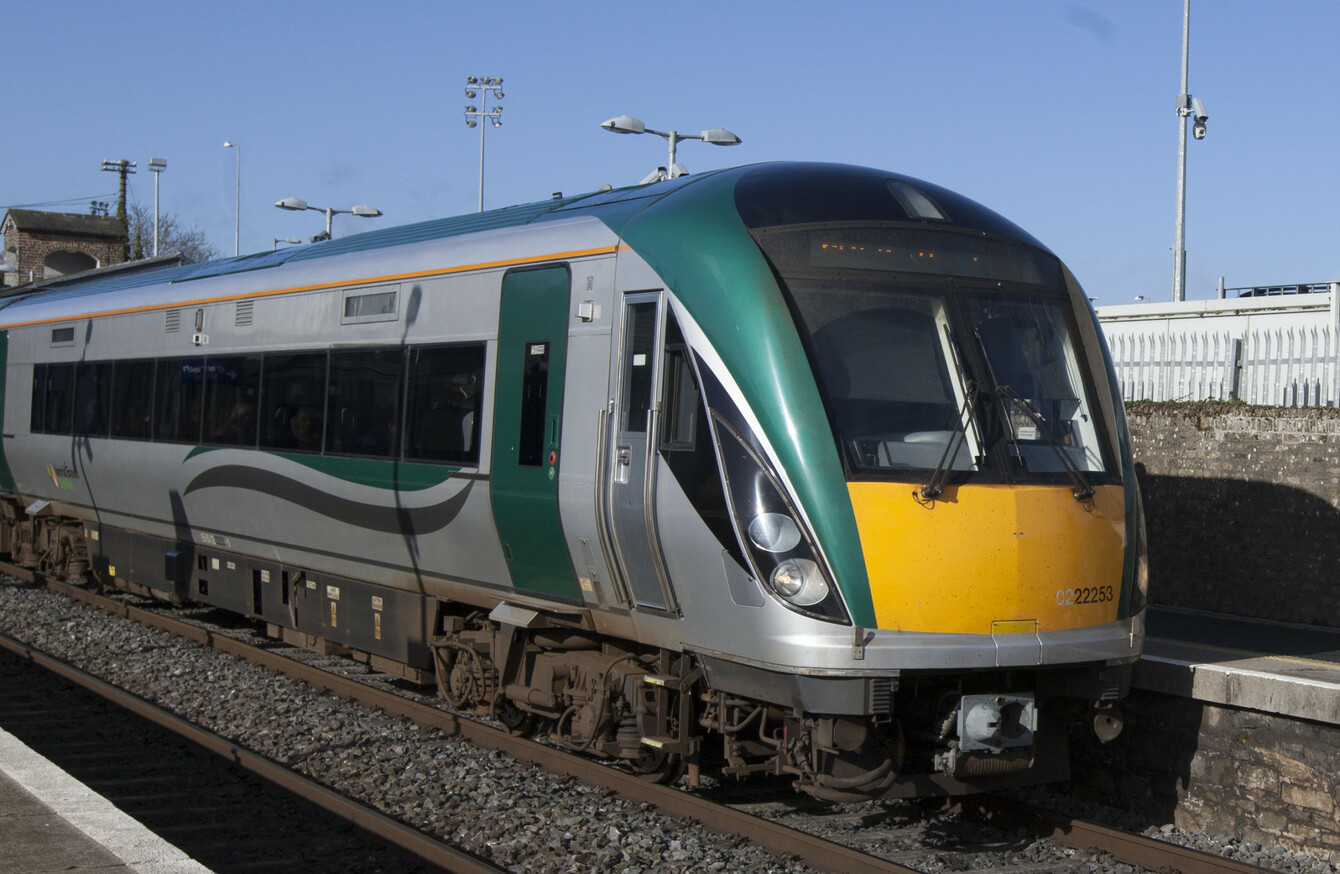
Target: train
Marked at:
796, 469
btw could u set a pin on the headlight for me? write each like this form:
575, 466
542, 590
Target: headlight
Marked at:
799, 581
774, 532
1140, 593
783, 555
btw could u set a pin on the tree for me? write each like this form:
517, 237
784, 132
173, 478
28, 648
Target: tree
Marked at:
173, 236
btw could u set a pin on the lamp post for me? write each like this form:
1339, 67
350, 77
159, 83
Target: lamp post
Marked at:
483, 87
156, 166
717, 136
237, 208
298, 204
1186, 106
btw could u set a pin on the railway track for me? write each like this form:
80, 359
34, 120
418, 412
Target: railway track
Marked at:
157, 792
229, 820
871, 840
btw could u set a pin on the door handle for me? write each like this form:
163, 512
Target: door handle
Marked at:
624, 461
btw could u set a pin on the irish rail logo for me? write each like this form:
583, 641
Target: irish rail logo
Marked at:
63, 477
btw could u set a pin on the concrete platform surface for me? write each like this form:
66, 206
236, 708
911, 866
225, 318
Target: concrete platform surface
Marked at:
51, 822
1271, 667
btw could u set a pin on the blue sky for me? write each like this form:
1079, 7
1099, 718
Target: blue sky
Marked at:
1057, 113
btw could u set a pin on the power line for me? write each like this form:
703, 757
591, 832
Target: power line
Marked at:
71, 202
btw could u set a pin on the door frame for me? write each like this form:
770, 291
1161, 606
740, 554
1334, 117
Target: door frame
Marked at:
630, 463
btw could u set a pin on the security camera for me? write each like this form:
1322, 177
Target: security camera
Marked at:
1201, 116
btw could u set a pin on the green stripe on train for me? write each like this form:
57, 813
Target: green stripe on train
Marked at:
379, 473
694, 239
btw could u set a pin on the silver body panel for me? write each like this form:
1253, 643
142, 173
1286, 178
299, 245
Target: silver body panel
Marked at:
450, 293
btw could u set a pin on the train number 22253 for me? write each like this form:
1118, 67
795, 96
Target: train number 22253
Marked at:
1084, 595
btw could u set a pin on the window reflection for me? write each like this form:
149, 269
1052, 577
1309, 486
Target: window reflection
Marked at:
422, 403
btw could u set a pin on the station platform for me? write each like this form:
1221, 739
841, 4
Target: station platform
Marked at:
51, 822
1271, 667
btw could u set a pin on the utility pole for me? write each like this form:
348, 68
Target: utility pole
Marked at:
125, 168
1195, 108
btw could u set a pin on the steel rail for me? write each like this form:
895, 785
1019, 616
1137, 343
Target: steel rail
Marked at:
773, 837
1080, 835
418, 844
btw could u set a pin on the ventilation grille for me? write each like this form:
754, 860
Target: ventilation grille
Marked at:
173, 321
244, 311
881, 695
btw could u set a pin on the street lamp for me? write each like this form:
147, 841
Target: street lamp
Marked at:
1186, 106
156, 166
717, 136
237, 209
298, 204
292, 241
483, 87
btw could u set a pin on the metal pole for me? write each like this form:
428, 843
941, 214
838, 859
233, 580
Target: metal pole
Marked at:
237, 204
1183, 106
156, 175
1333, 398
487, 87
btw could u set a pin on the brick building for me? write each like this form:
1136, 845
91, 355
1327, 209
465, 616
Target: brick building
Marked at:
45, 245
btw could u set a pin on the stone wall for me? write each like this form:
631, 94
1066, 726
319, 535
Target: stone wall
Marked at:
1242, 505
1264, 779
37, 246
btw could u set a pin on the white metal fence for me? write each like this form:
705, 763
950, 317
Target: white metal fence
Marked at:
1277, 351
1289, 367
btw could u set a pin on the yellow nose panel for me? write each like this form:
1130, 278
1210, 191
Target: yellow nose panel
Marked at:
984, 559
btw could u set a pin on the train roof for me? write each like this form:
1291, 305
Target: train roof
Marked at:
765, 195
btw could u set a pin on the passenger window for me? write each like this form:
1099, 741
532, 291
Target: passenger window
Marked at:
92, 399
179, 390
534, 403
132, 399
639, 349
37, 409
231, 389
364, 401
53, 401
445, 403
293, 393
681, 404
686, 442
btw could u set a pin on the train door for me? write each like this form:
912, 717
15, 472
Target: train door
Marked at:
527, 425
630, 505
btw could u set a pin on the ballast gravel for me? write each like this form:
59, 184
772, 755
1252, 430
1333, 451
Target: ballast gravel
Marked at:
509, 813
512, 814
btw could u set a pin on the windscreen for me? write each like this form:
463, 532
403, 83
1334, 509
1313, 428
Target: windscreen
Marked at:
942, 352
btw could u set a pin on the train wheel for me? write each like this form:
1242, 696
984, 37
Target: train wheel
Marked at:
657, 766
517, 721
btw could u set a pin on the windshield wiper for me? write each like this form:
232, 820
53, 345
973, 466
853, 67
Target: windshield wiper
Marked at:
1083, 488
936, 485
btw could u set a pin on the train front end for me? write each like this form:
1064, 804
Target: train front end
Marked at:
927, 466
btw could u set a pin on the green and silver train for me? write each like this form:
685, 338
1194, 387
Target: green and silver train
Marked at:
796, 469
